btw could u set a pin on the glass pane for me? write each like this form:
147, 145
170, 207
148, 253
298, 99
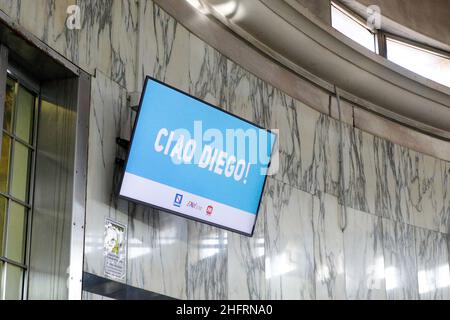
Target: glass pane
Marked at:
1, 280
4, 163
3, 203
425, 63
9, 104
15, 242
24, 117
21, 161
13, 282
352, 29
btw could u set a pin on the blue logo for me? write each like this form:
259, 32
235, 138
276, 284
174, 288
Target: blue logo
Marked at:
178, 200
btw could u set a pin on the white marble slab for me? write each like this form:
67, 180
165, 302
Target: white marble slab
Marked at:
392, 193
157, 252
163, 47
360, 172
246, 94
445, 215
308, 148
298, 250
400, 265
109, 118
107, 40
206, 267
328, 248
364, 261
432, 265
427, 188
246, 264
289, 242
207, 73
410, 187
47, 21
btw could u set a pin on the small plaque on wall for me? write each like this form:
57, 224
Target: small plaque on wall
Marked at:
115, 250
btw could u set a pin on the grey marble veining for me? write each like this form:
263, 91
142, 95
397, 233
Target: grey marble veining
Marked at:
206, 270
163, 47
432, 264
390, 191
363, 254
308, 146
110, 118
217, 264
328, 248
246, 264
423, 179
400, 265
308, 141
411, 187
289, 242
380, 177
108, 38
246, 94
391, 181
207, 73
106, 41
47, 21
157, 251
359, 170
298, 250
445, 214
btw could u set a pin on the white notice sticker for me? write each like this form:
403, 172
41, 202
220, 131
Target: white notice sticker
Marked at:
115, 250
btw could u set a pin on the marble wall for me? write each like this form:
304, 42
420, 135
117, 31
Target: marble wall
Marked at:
383, 236
107, 40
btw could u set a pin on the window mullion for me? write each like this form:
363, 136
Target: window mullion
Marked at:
36, 109
7, 261
3, 77
381, 42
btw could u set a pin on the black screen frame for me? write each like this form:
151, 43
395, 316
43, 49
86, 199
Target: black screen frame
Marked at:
149, 205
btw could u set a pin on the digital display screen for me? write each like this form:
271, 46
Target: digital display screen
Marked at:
195, 160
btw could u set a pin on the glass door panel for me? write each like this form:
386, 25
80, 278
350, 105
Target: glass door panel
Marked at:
20, 171
3, 211
16, 163
12, 282
5, 163
15, 243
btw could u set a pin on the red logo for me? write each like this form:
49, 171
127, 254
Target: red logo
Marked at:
209, 210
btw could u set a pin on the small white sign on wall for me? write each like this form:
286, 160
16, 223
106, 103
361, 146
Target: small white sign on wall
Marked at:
115, 250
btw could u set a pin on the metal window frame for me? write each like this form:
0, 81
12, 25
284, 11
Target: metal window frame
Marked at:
9, 70
359, 20
79, 176
66, 69
354, 16
381, 36
3, 76
417, 45
77, 235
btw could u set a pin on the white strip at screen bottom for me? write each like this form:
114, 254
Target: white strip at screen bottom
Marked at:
163, 196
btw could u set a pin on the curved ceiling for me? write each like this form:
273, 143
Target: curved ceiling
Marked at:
324, 56
425, 19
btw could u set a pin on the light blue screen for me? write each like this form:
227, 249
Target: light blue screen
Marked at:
164, 107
